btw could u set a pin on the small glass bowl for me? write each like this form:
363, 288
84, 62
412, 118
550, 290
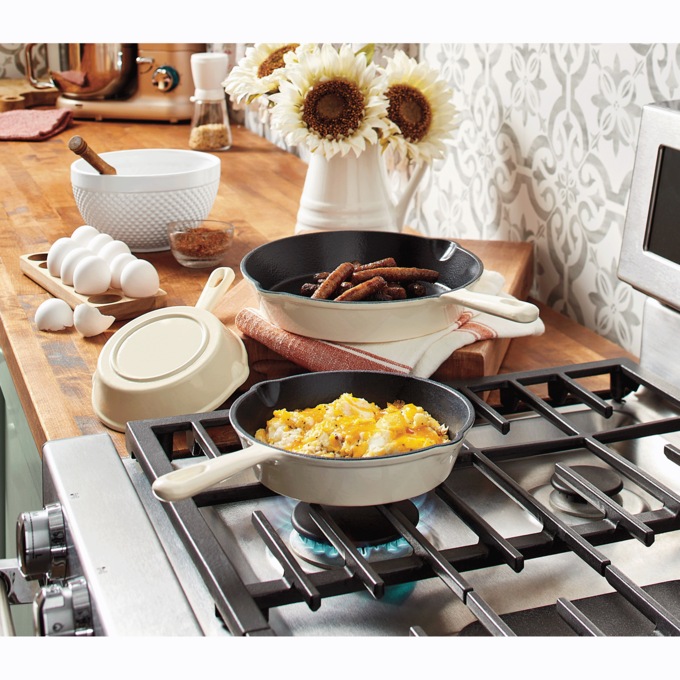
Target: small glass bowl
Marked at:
200, 244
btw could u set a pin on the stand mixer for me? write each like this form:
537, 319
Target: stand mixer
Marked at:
152, 81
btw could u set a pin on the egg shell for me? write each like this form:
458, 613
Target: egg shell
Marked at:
98, 242
139, 279
53, 315
113, 248
84, 234
57, 252
68, 264
91, 276
89, 321
116, 266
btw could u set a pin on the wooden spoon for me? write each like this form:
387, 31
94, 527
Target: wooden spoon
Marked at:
79, 146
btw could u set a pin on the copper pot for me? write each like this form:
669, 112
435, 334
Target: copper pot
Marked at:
88, 70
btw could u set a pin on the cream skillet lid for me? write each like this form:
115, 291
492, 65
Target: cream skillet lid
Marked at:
170, 362
160, 347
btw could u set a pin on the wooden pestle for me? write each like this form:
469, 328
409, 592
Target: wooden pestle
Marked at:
79, 146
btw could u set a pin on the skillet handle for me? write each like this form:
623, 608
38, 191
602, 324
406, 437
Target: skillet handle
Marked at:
217, 285
508, 308
186, 482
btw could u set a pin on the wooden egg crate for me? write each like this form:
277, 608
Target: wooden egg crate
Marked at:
112, 302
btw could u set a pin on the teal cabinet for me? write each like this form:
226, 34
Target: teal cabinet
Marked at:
20, 478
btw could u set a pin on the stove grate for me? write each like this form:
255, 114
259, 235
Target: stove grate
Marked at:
244, 606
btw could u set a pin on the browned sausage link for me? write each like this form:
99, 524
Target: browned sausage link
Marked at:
415, 289
396, 292
307, 289
385, 262
401, 274
363, 290
332, 282
345, 285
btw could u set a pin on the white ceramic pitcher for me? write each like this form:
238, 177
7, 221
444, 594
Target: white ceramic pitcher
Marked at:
352, 192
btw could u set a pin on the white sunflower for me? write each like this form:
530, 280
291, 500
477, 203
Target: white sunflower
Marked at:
331, 101
259, 72
420, 110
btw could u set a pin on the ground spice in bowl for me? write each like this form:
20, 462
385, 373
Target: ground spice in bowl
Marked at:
200, 246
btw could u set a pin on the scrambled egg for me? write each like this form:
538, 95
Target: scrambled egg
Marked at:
351, 427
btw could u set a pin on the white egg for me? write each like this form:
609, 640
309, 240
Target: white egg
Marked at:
116, 266
84, 234
98, 242
57, 252
113, 248
68, 264
139, 279
53, 315
90, 321
91, 276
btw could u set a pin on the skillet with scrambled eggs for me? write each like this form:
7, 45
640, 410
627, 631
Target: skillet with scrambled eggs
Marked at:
352, 427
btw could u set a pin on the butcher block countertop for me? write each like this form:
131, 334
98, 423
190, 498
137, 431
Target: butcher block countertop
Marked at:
260, 191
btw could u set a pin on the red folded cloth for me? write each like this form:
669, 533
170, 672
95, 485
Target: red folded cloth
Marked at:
317, 355
29, 125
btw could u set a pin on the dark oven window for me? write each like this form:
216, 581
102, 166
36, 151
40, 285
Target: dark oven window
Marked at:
663, 230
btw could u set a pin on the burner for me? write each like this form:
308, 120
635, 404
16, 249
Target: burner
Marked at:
562, 497
604, 479
367, 527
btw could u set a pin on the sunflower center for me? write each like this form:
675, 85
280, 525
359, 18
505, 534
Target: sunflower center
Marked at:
333, 109
410, 110
274, 60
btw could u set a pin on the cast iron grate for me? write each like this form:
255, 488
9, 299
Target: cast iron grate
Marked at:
244, 606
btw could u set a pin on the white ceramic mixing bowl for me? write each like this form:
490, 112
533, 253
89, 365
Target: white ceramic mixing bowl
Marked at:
152, 187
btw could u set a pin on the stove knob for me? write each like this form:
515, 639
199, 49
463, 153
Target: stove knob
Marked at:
63, 610
41, 542
165, 78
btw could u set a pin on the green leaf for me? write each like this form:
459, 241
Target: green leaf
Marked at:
369, 51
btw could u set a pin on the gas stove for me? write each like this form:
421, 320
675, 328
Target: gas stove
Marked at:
561, 517
523, 522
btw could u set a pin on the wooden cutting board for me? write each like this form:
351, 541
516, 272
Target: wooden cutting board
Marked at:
20, 94
515, 261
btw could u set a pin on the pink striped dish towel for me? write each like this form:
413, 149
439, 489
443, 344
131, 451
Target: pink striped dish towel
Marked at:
420, 357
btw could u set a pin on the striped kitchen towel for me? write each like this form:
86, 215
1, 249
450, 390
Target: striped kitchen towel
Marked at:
420, 357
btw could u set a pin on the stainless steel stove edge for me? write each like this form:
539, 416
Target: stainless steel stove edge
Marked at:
132, 586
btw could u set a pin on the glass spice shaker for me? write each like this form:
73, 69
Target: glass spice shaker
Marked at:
210, 129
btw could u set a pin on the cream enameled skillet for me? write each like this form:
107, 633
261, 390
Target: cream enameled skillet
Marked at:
331, 481
277, 269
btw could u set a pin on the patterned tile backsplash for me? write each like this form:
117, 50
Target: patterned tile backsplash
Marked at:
543, 153
12, 60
